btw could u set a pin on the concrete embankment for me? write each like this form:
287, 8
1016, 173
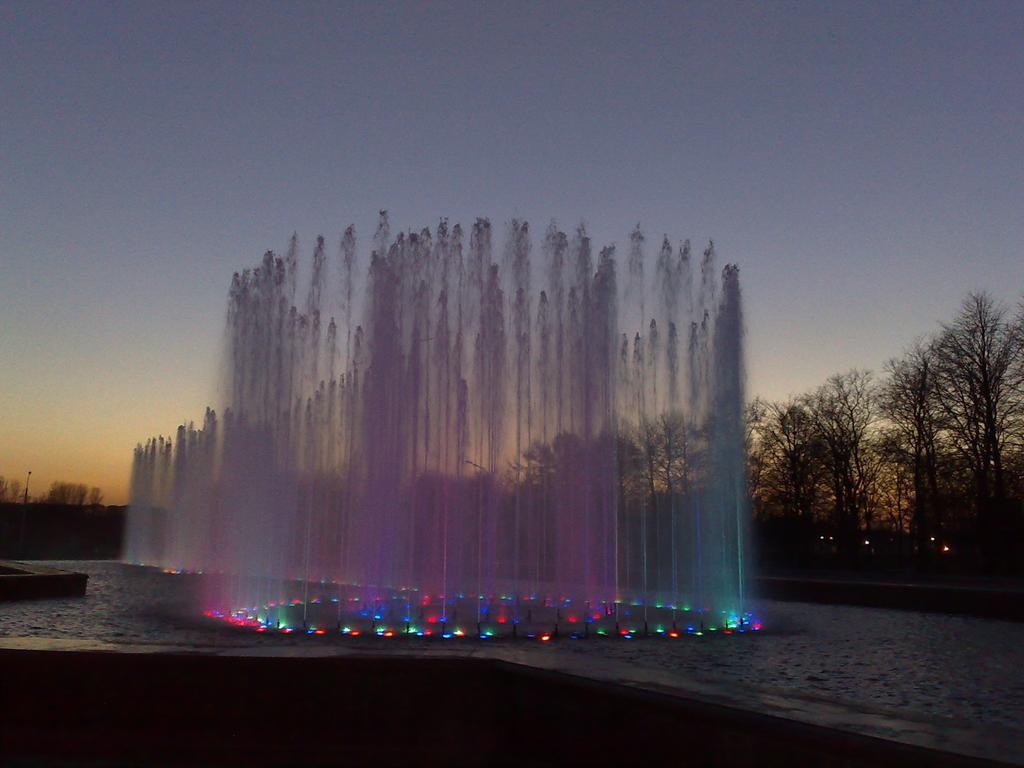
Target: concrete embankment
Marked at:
30, 581
987, 601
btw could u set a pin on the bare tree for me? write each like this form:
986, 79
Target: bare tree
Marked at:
671, 457
910, 401
980, 371
791, 449
67, 493
843, 411
95, 496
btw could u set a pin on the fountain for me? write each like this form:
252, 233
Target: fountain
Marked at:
459, 440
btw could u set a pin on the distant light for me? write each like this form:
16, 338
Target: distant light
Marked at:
867, 543
945, 547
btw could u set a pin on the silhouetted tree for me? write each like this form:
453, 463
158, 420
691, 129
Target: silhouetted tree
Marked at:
843, 411
791, 450
910, 401
980, 370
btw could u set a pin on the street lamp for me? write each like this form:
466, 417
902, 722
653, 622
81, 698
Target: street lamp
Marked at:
24, 508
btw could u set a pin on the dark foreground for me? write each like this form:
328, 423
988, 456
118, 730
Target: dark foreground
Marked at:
79, 708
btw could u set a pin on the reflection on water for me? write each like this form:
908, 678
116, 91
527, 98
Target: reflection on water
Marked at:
919, 664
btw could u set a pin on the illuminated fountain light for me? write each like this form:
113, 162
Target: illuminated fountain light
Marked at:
544, 620
463, 419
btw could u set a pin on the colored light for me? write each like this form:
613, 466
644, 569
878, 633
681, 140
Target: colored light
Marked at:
354, 633
321, 632
545, 638
673, 634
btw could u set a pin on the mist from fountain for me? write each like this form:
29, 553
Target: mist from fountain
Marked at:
478, 429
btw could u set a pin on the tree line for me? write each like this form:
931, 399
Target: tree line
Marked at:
928, 456
61, 492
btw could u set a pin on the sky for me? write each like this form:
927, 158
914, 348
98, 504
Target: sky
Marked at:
863, 163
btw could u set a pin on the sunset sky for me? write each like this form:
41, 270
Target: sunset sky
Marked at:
863, 163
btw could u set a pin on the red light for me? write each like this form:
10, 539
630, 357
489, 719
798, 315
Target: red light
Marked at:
502, 619
320, 632
673, 634
572, 619
545, 638
389, 633
354, 633
757, 626
432, 619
